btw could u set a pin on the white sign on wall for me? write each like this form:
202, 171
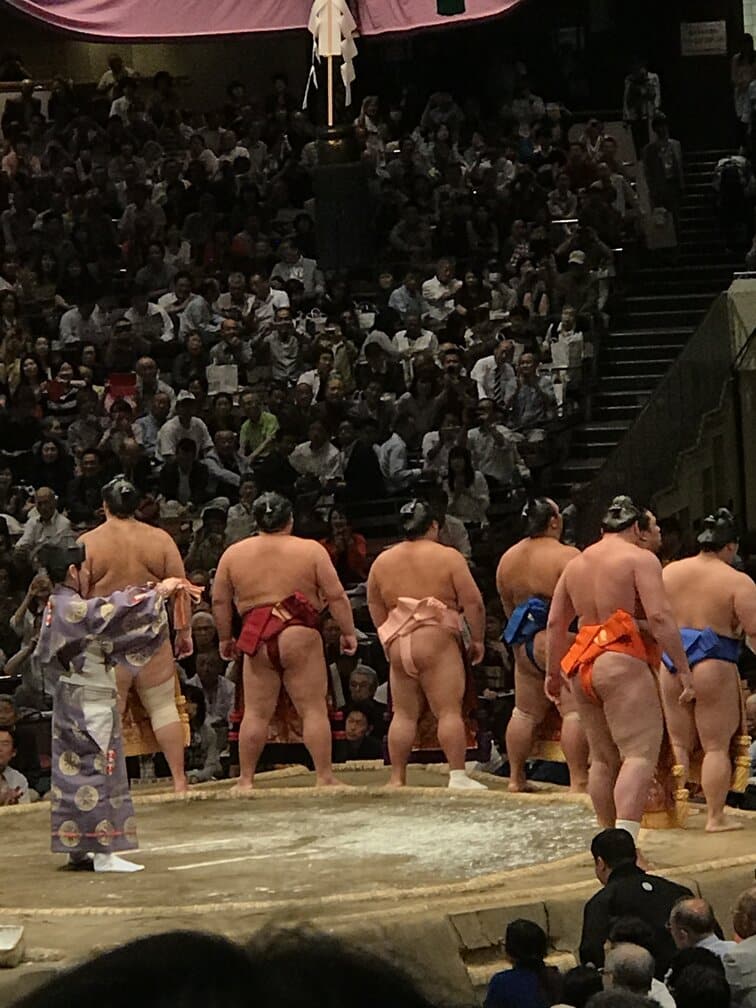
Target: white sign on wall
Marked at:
703, 38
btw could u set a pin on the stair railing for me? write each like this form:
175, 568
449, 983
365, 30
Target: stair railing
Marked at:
669, 423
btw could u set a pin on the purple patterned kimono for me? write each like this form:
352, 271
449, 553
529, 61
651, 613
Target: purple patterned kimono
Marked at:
80, 643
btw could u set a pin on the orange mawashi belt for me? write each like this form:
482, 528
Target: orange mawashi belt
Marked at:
620, 635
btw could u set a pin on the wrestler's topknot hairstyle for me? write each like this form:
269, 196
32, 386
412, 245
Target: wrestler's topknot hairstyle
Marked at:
622, 513
121, 496
415, 518
720, 529
537, 513
272, 512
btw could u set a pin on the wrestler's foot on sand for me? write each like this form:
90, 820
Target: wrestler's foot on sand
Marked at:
519, 786
723, 824
458, 779
114, 863
328, 780
241, 788
181, 788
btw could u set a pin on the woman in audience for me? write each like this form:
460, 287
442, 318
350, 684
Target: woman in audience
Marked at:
466, 489
530, 983
202, 759
347, 549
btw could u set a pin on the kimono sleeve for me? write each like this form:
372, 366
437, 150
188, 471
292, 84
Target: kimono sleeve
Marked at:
130, 625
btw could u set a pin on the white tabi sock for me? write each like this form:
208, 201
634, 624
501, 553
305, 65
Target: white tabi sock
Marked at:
459, 779
114, 863
633, 828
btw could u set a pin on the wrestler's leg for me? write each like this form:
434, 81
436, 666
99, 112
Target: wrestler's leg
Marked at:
531, 707
717, 714
574, 741
161, 669
442, 679
262, 685
680, 719
628, 690
406, 700
604, 756
124, 682
305, 680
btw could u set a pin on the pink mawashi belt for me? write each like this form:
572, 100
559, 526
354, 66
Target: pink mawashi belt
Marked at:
409, 615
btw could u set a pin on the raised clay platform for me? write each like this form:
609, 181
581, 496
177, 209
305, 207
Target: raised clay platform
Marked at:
427, 873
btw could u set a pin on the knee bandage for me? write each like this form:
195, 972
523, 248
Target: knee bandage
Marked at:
160, 704
517, 713
570, 716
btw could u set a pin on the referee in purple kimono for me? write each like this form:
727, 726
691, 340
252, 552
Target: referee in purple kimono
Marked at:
80, 643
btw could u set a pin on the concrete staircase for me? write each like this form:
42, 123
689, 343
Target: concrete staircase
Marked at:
663, 306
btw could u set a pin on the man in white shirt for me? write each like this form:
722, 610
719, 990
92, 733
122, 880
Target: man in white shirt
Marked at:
393, 459
14, 787
294, 265
493, 448
146, 428
317, 457
148, 385
438, 293
174, 303
225, 465
692, 924
45, 524
280, 338
236, 303
414, 340
495, 376
183, 425
267, 300
319, 376
566, 347
149, 320
77, 326
116, 71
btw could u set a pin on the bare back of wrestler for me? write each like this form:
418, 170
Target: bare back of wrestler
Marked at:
260, 573
430, 663
620, 708
530, 570
124, 552
707, 593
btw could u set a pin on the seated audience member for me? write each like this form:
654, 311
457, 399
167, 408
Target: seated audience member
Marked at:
692, 925
318, 457
359, 463
634, 931
240, 521
530, 983
202, 755
466, 488
700, 987
44, 525
399, 476
740, 962
494, 451
629, 967
184, 478
533, 403
185, 424
347, 550
258, 429
438, 443
225, 466
579, 985
627, 891
14, 787
207, 544
363, 684
451, 531
358, 728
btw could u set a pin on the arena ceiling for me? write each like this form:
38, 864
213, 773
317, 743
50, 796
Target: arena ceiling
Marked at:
139, 20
